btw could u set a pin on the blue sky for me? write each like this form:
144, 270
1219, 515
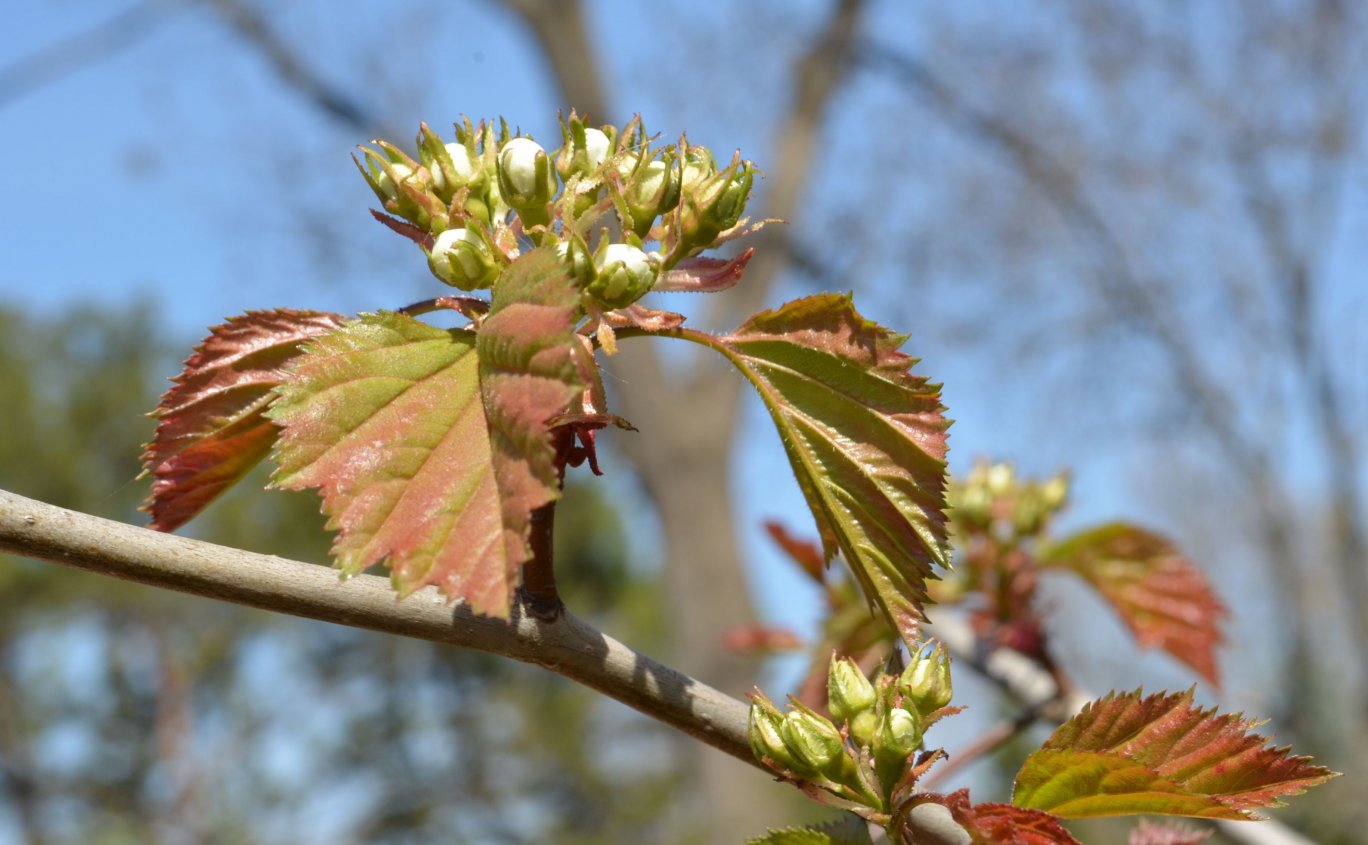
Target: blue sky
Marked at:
177, 169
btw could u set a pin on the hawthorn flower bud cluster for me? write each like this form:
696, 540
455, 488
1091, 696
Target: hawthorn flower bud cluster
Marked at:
865, 749
620, 210
992, 498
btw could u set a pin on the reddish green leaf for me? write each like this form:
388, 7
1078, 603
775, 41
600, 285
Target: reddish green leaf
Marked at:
1161, 755
1161, 596
212, 427
384, 417
431, 446
1005, 824
865, 437
805, 553
531, 369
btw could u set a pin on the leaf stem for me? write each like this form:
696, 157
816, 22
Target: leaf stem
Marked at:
539, 574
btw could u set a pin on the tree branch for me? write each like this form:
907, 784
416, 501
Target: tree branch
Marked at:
567, 646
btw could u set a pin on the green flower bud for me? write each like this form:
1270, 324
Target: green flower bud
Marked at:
849, 692
1000, 478
766, 739
526, 180
925, 683
462, 258
812, 740
863, 725
1055, 492
624, 274
897, 735
575, 253
714, 204
650, 188
453, 166
402, 185
699, 166
584, 150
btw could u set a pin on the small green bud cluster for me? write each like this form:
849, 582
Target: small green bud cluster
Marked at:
992, 498
866, 748
620, 210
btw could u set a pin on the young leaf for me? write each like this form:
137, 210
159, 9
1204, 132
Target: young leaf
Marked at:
1127, 753
384, 416
528, 353
849, 830
1004, 824
865, 437
212, 427
430, 446
1160, 595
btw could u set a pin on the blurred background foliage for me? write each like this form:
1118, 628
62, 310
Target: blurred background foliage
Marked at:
1129, 237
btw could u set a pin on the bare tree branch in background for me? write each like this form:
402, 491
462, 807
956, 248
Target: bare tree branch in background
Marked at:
55, 62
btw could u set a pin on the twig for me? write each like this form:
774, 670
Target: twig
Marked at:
1024, 680
566, 646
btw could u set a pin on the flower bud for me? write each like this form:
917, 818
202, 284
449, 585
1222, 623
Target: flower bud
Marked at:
575, 253
1055, 492
897, 735
650, 188
812, 740
863, 725
526, 181
624, 274
849, 692
766, 739
584, 150
1000, 478
925, 683
402, 185
453, 166
462, 258
714, 204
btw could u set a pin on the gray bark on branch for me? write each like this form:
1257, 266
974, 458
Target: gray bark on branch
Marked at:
567, 646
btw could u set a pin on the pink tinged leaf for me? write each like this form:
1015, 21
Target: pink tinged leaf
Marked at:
865, 437
422, 237
384, 417
704, 275
1149, 833
212, 427
760, 639
638, 316
1163, 599
806, 554
1127, 753
532, 370
1005, 824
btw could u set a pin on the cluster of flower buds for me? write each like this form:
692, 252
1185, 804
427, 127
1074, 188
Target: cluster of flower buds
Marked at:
618, 209
992, 498
865, 750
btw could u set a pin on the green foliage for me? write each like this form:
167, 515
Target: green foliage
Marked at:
865, 437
